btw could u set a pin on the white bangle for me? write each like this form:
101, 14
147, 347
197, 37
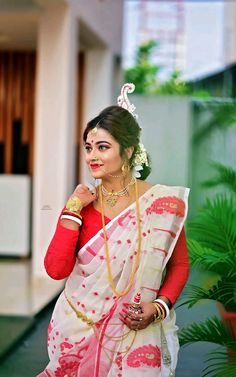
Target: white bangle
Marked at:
162, 302
73, 218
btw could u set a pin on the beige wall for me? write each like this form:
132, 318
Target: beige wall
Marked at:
165, 122
104, 18
230, 32
18, 26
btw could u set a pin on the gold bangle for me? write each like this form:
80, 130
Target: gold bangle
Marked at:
74, 204
160, 315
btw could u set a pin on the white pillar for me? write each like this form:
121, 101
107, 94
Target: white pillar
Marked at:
54, 171
98, 91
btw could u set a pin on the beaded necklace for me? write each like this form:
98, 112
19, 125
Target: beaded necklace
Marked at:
137, 257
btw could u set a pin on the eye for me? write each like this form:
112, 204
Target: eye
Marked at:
87, 149
103, 147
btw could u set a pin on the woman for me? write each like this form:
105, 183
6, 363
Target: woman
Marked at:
115, 316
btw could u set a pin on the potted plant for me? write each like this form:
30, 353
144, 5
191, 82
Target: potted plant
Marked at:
212, 248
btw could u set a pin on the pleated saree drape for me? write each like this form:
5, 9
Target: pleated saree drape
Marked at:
85, 336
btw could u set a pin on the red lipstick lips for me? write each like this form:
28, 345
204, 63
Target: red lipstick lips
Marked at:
95, 166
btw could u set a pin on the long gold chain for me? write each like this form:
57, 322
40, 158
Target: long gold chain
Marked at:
123, 353
137, 257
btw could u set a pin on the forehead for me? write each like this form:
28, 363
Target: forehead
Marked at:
101, 135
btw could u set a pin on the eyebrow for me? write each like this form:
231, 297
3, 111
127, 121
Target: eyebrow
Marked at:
98, 142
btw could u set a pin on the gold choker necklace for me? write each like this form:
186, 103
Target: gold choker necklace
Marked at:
137, 256
112, 196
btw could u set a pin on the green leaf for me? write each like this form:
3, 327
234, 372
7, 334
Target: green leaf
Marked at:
207, 259
211, 330
220, 364
226, 176
215, 225
223, 291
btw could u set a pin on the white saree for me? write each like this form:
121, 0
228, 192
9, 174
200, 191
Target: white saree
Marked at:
86, 337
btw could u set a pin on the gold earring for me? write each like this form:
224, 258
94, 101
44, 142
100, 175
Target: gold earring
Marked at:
125, 168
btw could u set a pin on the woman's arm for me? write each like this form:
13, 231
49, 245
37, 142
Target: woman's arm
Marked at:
61, 253
177, 272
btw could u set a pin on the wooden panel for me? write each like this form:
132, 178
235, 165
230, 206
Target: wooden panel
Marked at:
9, 118
31, 112
17, 94
18, 84
2, 90
80, 108
25, 100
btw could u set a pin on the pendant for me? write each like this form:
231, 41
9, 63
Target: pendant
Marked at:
112, 200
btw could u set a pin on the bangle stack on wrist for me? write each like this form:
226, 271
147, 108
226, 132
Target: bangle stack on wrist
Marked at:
73, 206
162, 310
72, 216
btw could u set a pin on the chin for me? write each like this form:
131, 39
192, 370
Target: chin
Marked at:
97, 174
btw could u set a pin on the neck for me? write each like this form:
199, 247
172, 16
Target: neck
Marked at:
116, 184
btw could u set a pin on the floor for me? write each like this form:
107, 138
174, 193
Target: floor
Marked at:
22, 293
28, 333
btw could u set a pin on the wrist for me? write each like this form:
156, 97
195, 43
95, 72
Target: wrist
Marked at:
165, 311
74, 205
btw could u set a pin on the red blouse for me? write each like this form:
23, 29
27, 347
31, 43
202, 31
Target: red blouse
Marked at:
61, 254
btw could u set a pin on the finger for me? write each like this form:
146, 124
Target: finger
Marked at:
122, 316
135, 326
132, 316
126, 304
140, 317
122, 320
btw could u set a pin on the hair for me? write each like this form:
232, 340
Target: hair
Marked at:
124, 128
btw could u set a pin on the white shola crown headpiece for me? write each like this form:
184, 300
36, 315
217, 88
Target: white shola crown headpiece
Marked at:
123, 100
140, 157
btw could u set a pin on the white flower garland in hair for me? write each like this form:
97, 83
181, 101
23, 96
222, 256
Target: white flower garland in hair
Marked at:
140, 159
141, 153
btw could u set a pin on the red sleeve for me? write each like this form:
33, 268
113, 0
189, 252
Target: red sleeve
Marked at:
61, 253
177, 271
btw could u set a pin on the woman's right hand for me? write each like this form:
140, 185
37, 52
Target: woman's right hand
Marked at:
85, 195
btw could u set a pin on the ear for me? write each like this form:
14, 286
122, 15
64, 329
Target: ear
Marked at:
129, 151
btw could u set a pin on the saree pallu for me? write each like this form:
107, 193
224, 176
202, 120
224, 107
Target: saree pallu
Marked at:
85, 336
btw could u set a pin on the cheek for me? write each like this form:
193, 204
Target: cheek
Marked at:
112, 159
86, 156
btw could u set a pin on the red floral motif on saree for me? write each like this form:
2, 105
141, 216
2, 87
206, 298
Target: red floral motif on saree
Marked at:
69, 364
148, 355
170, 204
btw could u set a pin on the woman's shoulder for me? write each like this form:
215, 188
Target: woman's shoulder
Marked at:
144, 186
163, 188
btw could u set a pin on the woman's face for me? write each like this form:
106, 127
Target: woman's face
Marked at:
102, 154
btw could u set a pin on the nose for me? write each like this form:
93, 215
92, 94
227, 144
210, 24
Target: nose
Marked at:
93, 156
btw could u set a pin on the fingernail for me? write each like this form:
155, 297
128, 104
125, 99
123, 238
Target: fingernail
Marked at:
125, 311
125, 304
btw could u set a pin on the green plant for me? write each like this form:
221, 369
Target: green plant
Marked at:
212, 249
221, 115
143, 73
220, 362
225, 176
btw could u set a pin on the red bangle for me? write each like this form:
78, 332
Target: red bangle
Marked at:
72, 214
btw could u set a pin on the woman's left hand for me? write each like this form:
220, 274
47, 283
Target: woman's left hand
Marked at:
141, 320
